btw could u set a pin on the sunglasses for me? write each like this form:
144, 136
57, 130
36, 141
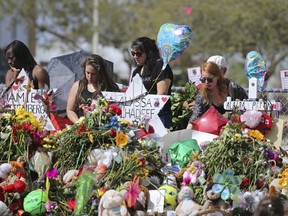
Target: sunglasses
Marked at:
206, 79
138, 54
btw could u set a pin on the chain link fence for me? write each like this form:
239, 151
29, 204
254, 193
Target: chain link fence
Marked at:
279, 95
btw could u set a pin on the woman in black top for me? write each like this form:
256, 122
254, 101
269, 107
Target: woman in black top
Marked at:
214, 91
96, 79
149, 66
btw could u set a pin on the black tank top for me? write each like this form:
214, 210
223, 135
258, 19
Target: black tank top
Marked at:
86, 95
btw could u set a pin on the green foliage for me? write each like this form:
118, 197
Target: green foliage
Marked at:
241, 152
180, 111
222, 27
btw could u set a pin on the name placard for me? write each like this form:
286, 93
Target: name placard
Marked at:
22, 95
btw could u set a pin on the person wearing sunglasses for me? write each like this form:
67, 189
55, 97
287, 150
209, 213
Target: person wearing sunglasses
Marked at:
149, 66
19, 57
214, 91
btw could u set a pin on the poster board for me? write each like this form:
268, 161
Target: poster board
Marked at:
194, 75
23, 95
284, 79
136, 104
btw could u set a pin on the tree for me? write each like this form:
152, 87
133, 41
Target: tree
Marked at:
225, 27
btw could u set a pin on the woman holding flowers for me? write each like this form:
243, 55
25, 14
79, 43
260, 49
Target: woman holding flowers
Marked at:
214, 91
96, 79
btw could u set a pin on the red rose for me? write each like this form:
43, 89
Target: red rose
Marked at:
21, 174
71, 204
14, 206
117, 110
9, 188
81, 130
20, 186
245, 183
112, 133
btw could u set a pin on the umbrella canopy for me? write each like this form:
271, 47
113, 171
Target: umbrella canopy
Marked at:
64, 71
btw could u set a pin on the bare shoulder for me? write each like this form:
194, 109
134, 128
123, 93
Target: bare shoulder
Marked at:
38, 69
75, 86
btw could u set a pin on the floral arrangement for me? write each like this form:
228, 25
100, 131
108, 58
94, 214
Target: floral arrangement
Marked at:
102, 148
21, 134
180, 100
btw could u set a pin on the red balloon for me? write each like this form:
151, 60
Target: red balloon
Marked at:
211, 122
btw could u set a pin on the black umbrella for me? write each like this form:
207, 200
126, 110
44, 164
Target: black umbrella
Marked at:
64, 71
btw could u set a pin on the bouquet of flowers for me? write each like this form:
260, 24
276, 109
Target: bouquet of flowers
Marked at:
21, 134
180, 100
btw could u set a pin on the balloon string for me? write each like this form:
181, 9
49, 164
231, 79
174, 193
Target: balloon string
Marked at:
155, 80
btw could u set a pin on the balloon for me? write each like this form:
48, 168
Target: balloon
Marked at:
255, 68
251, 118
210, 122
170, 197
34, 202
172, 41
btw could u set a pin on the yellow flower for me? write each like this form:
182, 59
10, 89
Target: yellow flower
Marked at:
91, 137
237, 138
192, 168
285, 172
256, 134
282, 182
195, 156
121, 139
101, 191
125, 123
81, 120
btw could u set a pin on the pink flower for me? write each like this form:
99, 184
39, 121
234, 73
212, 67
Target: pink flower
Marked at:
133, 192
52, 173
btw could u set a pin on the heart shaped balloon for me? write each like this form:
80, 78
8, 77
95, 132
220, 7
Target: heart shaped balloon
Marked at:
255, 68
252, 118
172, 41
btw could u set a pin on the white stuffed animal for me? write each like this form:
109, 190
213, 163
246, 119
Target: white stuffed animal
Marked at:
111, 204
186, 206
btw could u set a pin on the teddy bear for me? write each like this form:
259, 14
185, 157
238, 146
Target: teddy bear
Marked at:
186, 206
111, 203
213, 200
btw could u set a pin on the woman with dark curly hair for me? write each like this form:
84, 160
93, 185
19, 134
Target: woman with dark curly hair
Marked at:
149, 66
96, 79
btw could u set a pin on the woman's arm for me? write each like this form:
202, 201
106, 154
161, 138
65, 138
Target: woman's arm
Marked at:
199, 109
71, 103
163, 87
42, 77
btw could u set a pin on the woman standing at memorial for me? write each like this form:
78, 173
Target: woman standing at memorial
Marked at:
19, 57
214, 91
96, 79
149, 66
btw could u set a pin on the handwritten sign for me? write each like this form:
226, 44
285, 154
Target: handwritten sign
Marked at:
245, 105
284, 79
136, 104
194, 75
22, 95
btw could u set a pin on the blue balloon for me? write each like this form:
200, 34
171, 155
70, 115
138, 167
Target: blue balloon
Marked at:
255, 67
172, 41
